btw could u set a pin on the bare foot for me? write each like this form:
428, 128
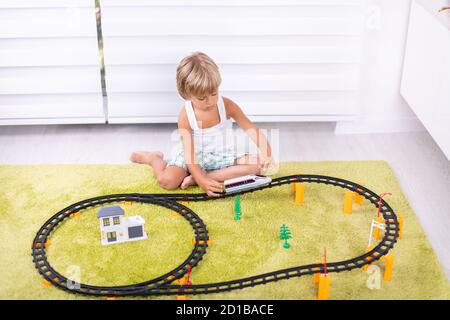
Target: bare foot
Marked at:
145, 157
187, 181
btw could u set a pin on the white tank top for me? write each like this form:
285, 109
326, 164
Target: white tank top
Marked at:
217, 138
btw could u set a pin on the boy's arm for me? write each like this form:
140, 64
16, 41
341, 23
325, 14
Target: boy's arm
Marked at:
185, 132
249, 127
210, 186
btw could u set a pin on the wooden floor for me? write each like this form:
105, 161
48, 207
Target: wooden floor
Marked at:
420, 167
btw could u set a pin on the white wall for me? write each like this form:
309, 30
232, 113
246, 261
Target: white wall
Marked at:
382, 109
281, 60
322, 62
49, 71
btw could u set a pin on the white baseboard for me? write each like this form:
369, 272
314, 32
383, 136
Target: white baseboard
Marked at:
379, 126
45, 121
254, 118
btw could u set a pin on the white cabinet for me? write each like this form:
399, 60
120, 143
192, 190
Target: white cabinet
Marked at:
426, 70
441, 127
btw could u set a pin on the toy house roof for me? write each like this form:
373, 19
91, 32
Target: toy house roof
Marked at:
110, 211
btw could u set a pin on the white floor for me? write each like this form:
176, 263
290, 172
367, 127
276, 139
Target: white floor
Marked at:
420, 167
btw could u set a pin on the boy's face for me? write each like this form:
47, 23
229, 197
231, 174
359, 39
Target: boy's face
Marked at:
205, 102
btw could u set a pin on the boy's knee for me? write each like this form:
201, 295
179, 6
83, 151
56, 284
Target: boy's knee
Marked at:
255, 169
252, 160
167, 183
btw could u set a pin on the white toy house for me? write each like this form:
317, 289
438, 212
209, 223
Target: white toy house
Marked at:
117, 229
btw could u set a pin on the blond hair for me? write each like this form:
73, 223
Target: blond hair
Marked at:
197, 74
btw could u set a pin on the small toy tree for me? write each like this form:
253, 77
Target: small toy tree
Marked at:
237, 208
285, 234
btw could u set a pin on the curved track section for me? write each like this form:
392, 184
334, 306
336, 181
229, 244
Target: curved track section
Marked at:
163, 285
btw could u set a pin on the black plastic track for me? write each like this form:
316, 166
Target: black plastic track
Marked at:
163, 285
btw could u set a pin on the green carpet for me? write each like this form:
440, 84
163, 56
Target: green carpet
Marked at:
251, 246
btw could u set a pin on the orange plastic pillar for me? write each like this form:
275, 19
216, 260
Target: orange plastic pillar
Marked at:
348, 201
400, 225
293, 186
368, 249
48, 243
299, 193
181, 282
46, 283
359, 199
324, 287
209, 241
175, 213
316, 276
376, 231
389, 261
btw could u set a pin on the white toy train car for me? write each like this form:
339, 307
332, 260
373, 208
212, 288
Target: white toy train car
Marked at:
247, 182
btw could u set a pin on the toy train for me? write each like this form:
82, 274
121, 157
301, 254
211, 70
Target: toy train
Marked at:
247, 182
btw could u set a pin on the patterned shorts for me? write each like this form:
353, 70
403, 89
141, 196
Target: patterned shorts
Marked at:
209, 160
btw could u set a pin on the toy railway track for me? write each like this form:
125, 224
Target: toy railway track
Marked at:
165, 284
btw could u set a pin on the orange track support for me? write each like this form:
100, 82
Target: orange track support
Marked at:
324, 287
348, 202
202, 241
400, 225
316, 276
367, 266
359, 199
389, 267
181, 282
46, 283
299, 193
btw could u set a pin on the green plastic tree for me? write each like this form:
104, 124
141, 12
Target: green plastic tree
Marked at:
285, 234
237, 208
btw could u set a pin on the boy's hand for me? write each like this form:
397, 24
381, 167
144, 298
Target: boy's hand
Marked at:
210, 186
267, 164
